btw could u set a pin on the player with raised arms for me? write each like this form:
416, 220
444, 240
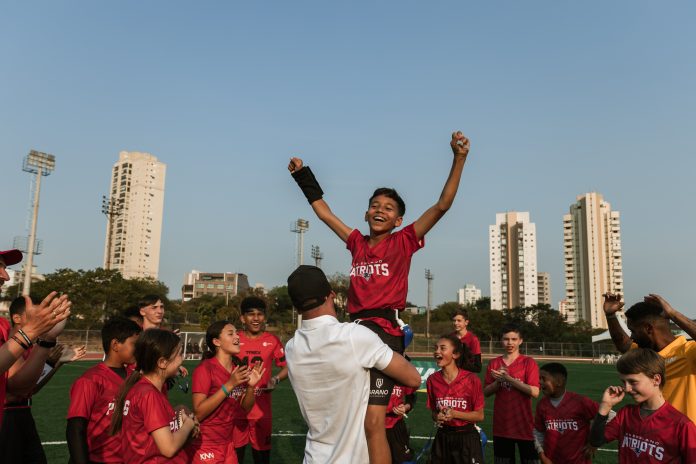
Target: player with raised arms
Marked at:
379, 273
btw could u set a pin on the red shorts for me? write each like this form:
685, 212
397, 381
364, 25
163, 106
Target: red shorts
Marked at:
212, 453
258, 432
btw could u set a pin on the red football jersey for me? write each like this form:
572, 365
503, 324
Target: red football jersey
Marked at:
267, 348
472, 342
379, 275
208, 378
93, 397
146, 409
398, 396
512, 409
665, 436
566, 427
463, 394
4, 334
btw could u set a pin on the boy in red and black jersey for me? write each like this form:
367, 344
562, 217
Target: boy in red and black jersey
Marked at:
460, 321
379, 271
652, 430
257, 345
401, 402
514, 380
93, 397
562, 420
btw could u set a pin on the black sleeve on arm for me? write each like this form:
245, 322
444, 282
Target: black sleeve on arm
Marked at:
410, 400
476, 363
308, 183
76, 434
597, 430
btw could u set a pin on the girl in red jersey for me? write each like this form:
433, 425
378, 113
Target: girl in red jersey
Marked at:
151, 430
221, 393
455, 397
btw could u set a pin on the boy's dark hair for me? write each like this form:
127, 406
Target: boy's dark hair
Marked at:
644, 312
19, 306
133, 312
557, 371
148, 300
461, 312
390, 193
118, 328
252, 302
642, 361
511, 328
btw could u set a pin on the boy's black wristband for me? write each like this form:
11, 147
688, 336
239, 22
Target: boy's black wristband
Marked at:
308, 183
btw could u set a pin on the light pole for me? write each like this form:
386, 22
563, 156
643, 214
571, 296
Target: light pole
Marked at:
428, 277
317, 255
111, 209
299, 227
41, 164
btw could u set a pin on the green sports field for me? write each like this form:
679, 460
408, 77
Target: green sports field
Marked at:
51, 404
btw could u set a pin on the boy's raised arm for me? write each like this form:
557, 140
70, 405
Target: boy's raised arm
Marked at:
460, 149
313, 192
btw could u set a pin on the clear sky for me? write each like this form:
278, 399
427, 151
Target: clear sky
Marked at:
558, 98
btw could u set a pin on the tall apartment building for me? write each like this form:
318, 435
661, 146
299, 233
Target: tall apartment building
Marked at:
513, 261
134, 219
544, 288
468, 295
227, 284
592, 257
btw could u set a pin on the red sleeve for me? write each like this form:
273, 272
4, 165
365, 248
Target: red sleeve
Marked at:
613, 427
157, 412
475, 345
539, 418
409, 240
687, 441
201, 380
489, 377
352, 240
279, 353
83, 395
532, 373
430, 402
477, 393
590, 408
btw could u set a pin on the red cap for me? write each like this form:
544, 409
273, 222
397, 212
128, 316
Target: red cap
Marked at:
11, 257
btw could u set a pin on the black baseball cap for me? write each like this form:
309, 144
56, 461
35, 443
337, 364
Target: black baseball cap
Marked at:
308, 287
251, 303
11, 256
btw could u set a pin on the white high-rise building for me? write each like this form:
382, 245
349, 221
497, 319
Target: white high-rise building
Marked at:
134, 226
544, 288
468, 295
513, 261
592, 256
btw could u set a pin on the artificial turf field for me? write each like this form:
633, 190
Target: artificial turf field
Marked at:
51, 404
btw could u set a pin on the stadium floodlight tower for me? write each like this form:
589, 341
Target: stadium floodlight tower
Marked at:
111, 208
317, 255
429, 277
299, 227
41, 164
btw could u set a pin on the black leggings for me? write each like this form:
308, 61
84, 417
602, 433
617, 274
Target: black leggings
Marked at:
504, 451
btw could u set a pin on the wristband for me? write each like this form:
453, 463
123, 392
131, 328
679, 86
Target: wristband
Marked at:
20, 342
611, 316
308, 184
225, 391
25, 337
46, 344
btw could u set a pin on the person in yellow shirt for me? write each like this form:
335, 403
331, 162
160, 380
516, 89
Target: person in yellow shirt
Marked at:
649, 323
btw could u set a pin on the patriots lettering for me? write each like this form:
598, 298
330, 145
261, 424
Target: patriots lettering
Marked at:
455, 403
561, 425
639, 445
367, 270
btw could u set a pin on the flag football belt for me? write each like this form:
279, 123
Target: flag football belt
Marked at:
19, 404
388, 314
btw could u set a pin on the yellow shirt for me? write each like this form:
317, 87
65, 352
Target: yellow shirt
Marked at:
680, 373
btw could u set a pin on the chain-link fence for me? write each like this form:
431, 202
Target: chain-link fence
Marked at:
194, 345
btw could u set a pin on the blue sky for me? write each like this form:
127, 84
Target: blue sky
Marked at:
558, 98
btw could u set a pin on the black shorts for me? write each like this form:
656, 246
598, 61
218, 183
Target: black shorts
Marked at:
19, 440
399, 442
504, 451
381, 385
455, 445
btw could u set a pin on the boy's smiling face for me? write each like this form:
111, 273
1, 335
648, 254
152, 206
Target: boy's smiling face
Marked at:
640, 386
383, 214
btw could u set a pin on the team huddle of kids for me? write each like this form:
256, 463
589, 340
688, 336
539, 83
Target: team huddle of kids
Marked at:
354, 386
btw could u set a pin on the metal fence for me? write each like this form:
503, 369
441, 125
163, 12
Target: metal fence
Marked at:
194, 345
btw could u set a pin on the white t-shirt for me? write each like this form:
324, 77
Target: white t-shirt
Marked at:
328, 364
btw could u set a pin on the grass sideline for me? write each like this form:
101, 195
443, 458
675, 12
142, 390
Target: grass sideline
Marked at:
51, 404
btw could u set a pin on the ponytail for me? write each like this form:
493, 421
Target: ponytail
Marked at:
117, 418
151, 346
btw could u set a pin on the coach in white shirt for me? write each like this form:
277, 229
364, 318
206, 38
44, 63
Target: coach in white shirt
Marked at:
328, 366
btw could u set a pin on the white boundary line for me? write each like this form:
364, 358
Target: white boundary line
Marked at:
290, 434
